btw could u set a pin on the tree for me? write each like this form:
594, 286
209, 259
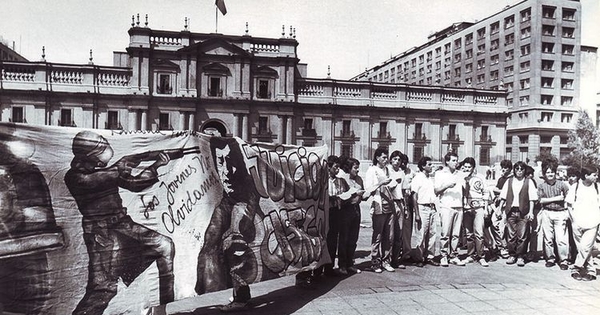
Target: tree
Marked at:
584, 142
546, 156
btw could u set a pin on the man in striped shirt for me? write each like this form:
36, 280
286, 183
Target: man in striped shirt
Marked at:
554, 216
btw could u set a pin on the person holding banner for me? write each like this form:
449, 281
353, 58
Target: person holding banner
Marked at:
117, 246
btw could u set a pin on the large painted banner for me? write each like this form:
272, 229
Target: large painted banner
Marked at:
115, 222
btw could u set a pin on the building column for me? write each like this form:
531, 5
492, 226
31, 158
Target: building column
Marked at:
288, 130
181, 121
144, 122
244, 118
191, 119
131, 121
235, 129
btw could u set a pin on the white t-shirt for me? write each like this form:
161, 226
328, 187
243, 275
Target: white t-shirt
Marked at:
451, 197
585, 211
398, 177
423, 187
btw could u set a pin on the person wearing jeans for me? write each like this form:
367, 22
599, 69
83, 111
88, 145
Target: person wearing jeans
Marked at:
554, 216
448, 186
517, 197
426, 216
477, 197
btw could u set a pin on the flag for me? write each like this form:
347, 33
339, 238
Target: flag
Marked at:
221, 5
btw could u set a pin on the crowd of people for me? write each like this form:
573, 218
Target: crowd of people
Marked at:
426, 217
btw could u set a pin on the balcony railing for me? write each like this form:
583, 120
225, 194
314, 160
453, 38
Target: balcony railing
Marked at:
359, 93
64, 78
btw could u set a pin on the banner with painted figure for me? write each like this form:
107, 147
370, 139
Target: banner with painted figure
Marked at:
115, 222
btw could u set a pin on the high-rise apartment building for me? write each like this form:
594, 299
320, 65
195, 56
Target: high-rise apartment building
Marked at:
531, 50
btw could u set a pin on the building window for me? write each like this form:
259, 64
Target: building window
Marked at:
566, 84
547, 82
494, 44
346, 124
164, 84
567, 49
566, 100
568, 14
421, 59
509, 39
567, 66
468, 68
509, 70
494, 75
484, 133
164, 122
548, 65
469, 53
447, 75
113, 120
509, 21
495, 28
214, 89
452, 132
417, 153
429, 56
548, 30
469, 39
382, 129
438, 65
525, 66
568, 32
484, 156
66, 118
457, 43
565, 118
418, 131
526, 33
413, 62
548, 12
548, 48
495, 59
546, 117
524, 100
509, 87
481, 49
481, 78
524, 84
525, 50
438, 52
480, 64
457, 72
308, 123
263, 125
481, 33
526, 15
447, 49
263, 89
523, 117
547, 99
509, 55
18, 115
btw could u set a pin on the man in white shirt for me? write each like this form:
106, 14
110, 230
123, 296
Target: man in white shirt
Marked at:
448, 186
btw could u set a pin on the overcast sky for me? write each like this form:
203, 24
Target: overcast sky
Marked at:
348, 35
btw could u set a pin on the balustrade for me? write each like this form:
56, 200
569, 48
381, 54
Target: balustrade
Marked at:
18, 74
265, 48
341, 91
453, 98
486, 99
311, 90
165, 40
66, 76
419, 96
113, 79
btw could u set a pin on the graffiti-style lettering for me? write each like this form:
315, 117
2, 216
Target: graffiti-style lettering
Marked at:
277, 174
131, 132
173, 185
150, 205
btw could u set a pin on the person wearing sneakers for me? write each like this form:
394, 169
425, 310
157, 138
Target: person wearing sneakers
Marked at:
426, 218
382, 210
448, 186
517, 198
476, 199
554, 216
583, 200
397, 174
350, 217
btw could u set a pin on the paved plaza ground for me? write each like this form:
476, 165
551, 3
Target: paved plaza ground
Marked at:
472, 289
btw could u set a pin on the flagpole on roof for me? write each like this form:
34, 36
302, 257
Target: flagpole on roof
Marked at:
216, 19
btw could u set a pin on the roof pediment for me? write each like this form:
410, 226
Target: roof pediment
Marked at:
266, 71
215, 46
216, 68
164, 64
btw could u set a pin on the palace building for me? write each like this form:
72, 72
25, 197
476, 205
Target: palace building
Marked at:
531, 50
254, 88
